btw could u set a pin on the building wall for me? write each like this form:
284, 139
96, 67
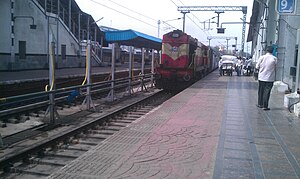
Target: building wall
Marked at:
36, 39
289, 43
5, 29
282, 31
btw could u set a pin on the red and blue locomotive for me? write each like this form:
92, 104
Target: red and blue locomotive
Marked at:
183, 61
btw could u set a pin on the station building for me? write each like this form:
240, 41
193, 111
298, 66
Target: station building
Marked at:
268, 27
29, 27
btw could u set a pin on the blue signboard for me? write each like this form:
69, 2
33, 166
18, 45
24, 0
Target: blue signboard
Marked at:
286, 6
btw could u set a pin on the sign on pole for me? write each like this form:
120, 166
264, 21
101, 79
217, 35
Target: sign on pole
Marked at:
286, 7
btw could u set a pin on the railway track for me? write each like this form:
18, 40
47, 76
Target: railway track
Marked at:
20, 108
43, 153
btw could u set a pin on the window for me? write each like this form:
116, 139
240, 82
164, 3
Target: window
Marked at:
63, 52
22, 49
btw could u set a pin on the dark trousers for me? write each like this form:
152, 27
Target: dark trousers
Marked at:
264, 91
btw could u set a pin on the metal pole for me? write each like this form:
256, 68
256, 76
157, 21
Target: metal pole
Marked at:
12, 48
57, 43
88, 95
70, 11
142, 69
130, 68
79, 15
235, 44
152, 68
227, 46
183, 28
101, 50
51, 79
244, 32
158, 28
95, 43
298, 61
112, 72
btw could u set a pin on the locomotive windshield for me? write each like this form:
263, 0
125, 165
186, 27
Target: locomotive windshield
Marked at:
175, 35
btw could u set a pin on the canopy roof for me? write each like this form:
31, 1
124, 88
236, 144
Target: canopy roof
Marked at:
133, 38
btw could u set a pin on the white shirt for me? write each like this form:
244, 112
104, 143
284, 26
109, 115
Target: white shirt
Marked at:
266, 65
239, 63
220, 63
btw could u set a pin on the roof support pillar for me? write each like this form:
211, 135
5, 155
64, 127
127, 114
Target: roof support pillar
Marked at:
152, 68
129, 88
111, 94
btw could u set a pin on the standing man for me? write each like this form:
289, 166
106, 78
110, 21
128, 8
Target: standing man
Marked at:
239, 66
266, 76
220, 66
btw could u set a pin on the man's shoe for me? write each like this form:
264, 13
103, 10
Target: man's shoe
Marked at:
259, 106
266, 109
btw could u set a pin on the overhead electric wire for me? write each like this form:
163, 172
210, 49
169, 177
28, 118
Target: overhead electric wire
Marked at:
191, 18
133, 10
123, 13
144, 15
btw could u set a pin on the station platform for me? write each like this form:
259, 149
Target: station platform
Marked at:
213, 129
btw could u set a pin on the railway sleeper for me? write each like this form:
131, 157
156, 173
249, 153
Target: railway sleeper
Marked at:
37, 170
139, 112
118, 123
66, 154
99, 136
133, 116
113, 127
80, 147
85, 142
50, 161
144, 111
125, 119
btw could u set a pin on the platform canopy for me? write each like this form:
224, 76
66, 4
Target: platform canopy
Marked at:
133, 38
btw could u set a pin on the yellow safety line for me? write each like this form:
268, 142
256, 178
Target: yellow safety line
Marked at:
86, 66
52, 84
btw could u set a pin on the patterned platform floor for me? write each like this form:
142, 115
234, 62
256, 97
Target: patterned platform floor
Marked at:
211, 130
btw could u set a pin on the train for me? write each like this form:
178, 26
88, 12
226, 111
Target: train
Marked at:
184, 60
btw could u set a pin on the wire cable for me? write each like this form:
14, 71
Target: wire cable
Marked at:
191, 18
123, 13
133, 11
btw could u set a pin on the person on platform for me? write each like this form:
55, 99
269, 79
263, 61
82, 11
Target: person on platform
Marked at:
249, 66
239, 66
220, 66
266, 76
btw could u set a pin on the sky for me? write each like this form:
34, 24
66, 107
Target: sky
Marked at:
143, 16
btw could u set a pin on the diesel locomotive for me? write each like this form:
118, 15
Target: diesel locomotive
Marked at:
184, 60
